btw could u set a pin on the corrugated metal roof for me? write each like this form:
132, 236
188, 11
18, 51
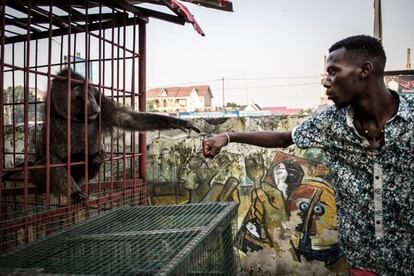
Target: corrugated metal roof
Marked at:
119, 14
283, 110
183, 12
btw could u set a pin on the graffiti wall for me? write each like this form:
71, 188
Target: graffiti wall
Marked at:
287, 212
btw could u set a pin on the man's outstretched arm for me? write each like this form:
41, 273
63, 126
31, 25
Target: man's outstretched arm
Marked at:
267, 139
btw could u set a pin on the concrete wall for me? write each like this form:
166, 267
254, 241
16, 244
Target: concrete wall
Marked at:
287, 211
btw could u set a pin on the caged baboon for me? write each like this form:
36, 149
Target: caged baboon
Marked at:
112, 115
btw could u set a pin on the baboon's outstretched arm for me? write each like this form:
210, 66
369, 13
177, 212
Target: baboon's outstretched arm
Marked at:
113, 115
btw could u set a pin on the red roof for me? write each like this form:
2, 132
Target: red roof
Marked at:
174, 92
283, 110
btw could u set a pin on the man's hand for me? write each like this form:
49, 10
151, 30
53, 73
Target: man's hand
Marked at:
266, 139
212, 146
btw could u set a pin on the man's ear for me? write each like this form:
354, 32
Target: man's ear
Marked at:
366, 69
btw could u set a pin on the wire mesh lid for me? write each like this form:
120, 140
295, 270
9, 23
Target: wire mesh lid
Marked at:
132, 240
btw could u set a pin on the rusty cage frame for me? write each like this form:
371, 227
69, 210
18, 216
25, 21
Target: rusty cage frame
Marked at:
33, 38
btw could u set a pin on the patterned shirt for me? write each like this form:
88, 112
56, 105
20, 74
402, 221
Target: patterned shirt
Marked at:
373, 188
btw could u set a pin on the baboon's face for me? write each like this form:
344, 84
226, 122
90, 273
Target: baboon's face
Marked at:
81, 101
92, 99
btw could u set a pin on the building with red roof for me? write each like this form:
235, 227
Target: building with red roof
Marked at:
180, 99
283, 110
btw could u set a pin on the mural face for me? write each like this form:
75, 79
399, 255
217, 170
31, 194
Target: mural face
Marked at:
286, 201
316, 236
287, 175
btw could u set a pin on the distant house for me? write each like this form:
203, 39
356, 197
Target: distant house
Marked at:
283, 110
250, 107
180, 99
40, 94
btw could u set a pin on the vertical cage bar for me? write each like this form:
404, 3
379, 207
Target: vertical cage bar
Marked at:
101, 92
13, 104
2, 40
112, 98
26, 124
142, 98
36, 199
133, 93
118, 131
86, 142
26, 113
123, 96
46, 127
61, 60
36, 89
61, 53
68, 109
101, 70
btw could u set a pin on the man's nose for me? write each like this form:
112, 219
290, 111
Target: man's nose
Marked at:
326, 82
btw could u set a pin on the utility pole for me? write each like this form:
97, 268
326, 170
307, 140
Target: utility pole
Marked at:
222, 89
377, 20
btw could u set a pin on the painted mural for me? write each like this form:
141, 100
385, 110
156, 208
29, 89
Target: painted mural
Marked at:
287, 212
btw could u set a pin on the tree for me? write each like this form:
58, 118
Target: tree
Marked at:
308, 111
231, 104
14, 105
150, 106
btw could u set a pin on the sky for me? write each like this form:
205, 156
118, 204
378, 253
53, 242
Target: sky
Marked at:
270, 52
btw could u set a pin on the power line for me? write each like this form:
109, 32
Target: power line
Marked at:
271, 86
275, 78
183, 83
239, 79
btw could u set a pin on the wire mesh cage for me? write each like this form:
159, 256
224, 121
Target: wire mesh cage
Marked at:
190, 239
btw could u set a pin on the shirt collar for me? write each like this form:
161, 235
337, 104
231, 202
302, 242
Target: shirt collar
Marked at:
349, 115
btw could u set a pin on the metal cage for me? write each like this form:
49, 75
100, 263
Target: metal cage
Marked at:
105, 42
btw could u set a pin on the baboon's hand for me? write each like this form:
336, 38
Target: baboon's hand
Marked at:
184, 125
79, 196
212, 146
192, 127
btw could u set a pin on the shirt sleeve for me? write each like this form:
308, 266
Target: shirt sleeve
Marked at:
313, 132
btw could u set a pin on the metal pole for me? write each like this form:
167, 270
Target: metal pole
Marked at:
377, 20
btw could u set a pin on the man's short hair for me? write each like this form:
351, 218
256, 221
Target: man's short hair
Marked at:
363, 46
